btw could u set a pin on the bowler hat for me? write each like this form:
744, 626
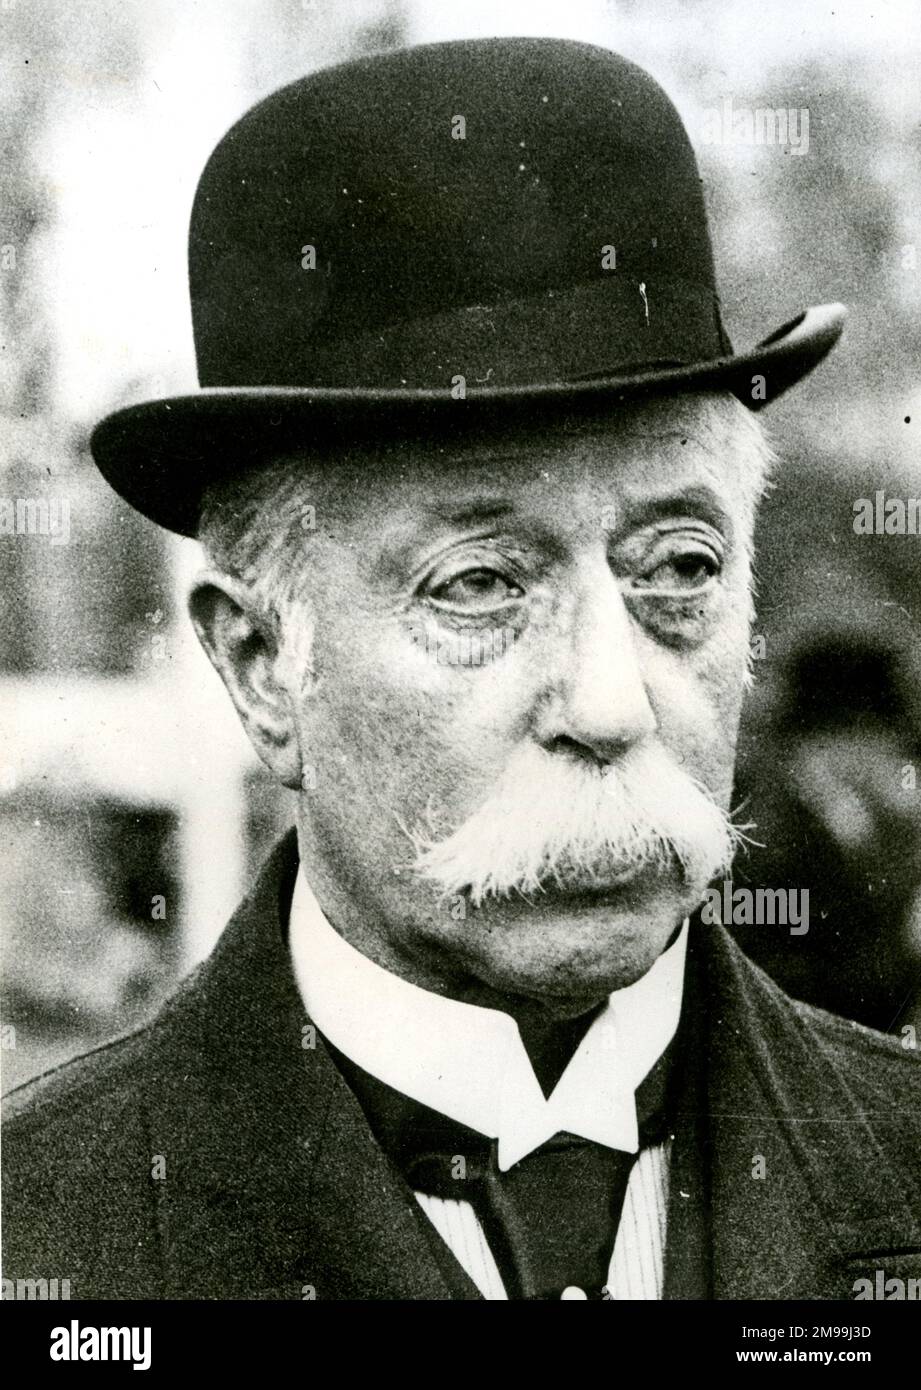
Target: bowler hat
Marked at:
442, 240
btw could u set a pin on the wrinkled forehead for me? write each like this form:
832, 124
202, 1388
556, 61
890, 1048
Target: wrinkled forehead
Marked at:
625, 461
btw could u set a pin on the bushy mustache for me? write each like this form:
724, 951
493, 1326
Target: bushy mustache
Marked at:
556, 821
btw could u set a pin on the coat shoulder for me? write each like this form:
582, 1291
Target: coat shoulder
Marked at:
72, 1093
879, 1065
96, 1152
69, 1093
818, 1055
72, 1106
78, 1199
80, 1180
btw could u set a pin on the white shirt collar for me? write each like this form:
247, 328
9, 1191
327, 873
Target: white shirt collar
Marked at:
469, 1062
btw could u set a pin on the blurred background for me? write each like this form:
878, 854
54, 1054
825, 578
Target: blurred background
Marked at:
132, 816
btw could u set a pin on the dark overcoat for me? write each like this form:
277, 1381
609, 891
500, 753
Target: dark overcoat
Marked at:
216, 1154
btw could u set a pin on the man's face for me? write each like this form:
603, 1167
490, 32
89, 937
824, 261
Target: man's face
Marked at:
501, 630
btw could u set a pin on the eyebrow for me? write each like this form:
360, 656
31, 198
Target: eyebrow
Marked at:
401, 539
696, 500
473, 513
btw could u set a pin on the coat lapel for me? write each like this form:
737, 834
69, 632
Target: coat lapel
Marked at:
802, 1193
274, 1186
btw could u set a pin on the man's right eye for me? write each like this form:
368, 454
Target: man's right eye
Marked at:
477, 590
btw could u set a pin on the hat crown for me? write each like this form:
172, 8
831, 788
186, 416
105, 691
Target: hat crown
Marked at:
509, 210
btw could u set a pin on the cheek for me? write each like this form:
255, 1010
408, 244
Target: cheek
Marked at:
393, 732
697, 698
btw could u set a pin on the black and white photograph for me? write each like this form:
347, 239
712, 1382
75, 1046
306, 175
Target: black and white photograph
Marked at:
460, 678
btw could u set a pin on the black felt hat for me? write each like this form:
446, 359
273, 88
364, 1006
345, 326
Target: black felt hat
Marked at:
445, 239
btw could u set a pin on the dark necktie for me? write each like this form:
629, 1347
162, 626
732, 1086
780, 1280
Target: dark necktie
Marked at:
551, 1220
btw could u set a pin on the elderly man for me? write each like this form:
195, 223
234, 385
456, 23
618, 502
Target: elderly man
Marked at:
475, 470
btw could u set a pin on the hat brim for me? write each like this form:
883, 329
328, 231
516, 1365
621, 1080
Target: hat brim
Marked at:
161, 455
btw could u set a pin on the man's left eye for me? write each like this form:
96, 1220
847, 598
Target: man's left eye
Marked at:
688, 572
476, 590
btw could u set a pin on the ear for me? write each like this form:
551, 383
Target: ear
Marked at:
244, 651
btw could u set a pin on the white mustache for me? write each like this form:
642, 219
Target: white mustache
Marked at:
551, 820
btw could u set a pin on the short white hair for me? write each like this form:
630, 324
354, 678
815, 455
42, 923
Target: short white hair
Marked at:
255, 527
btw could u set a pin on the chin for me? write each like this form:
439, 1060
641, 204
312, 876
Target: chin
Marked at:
574, 949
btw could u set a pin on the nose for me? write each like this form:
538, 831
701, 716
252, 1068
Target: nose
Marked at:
595, 701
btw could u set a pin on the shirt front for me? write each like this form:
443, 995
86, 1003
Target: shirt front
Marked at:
469, 1063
